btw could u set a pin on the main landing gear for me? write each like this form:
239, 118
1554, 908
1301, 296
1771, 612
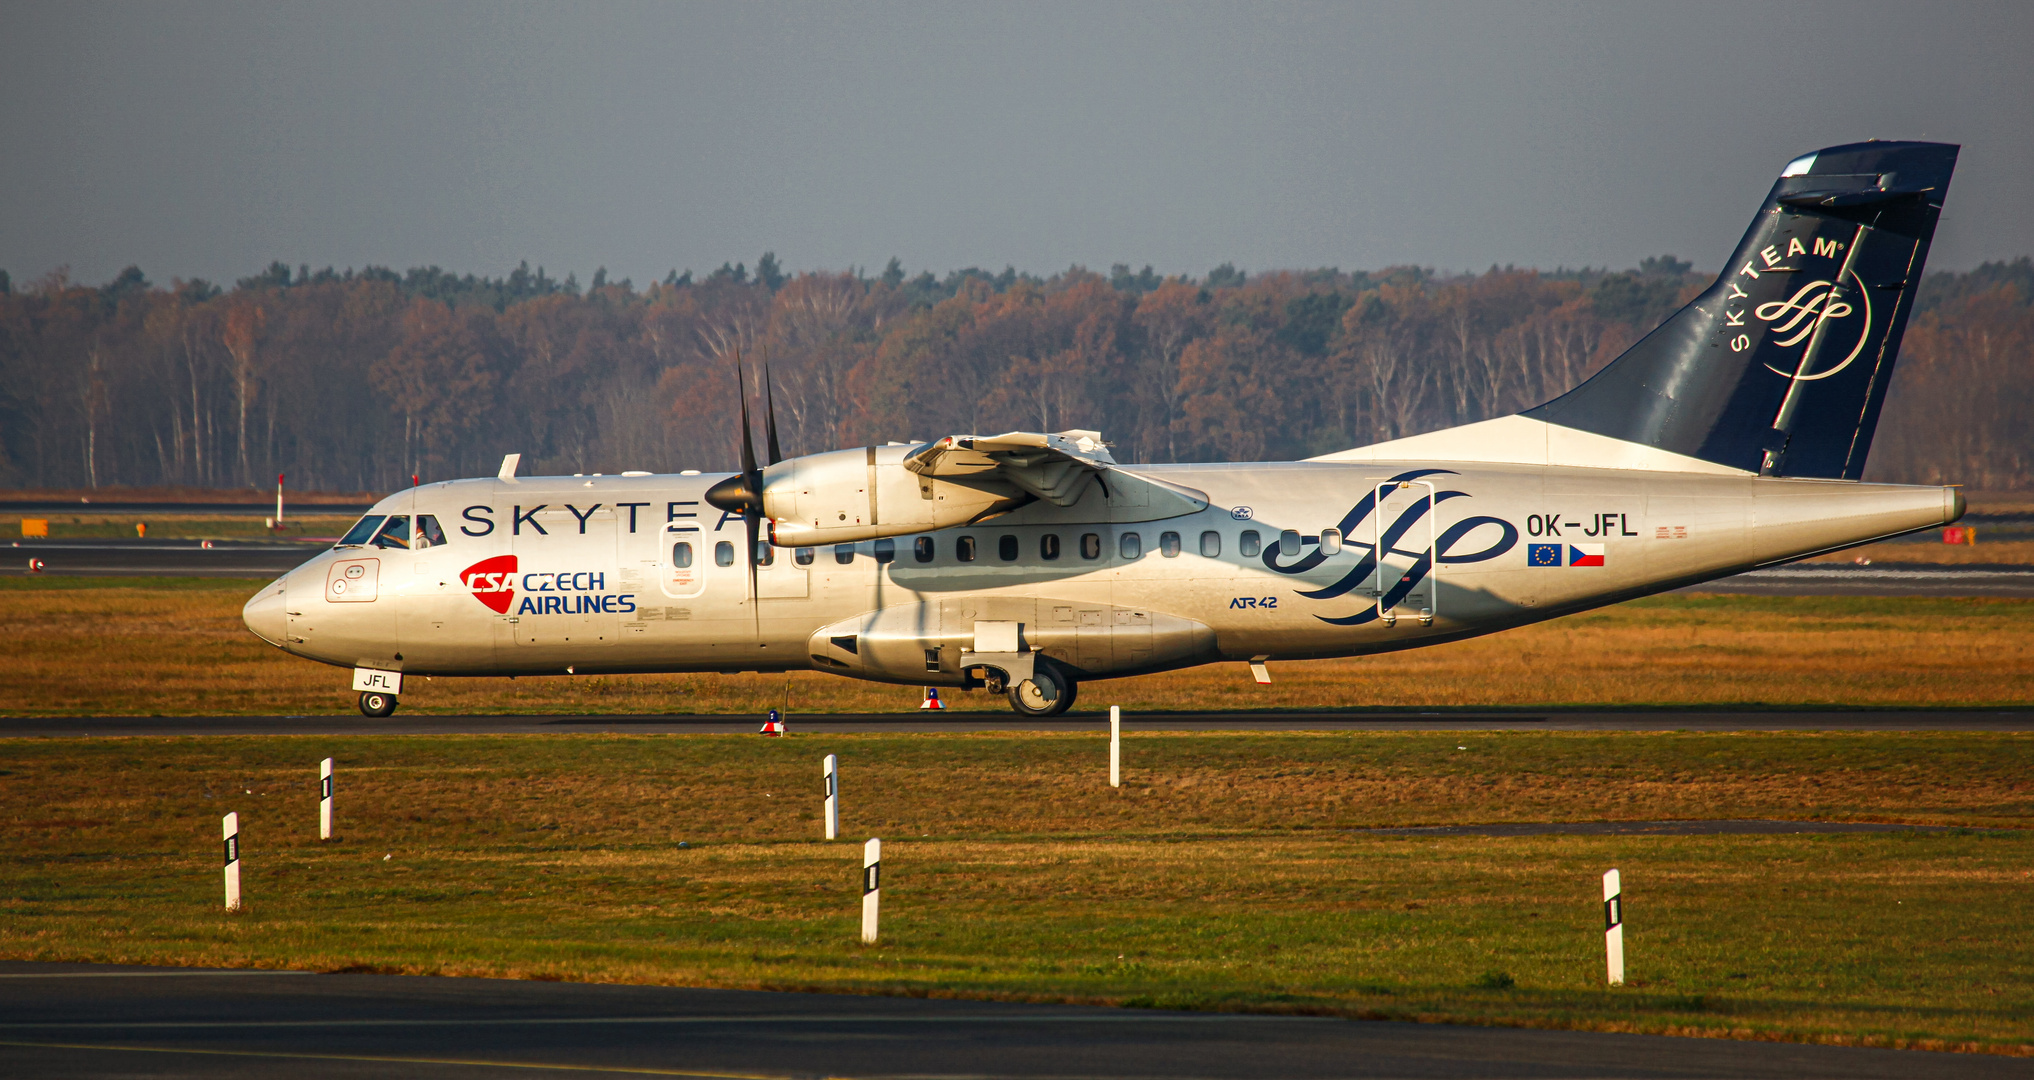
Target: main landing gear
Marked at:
376, 703
1048, 692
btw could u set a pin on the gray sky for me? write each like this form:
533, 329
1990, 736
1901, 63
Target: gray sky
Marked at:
205, 139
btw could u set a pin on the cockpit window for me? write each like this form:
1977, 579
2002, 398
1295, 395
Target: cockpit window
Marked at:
395, 533
361, 531
429, 535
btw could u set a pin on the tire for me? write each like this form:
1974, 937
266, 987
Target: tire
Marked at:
375, 703
1048, 692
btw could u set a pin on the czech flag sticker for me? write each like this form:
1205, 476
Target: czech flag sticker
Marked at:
1585, 554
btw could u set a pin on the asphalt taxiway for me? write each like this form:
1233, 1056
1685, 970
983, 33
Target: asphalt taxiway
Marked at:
158, 558
950, 722
81, 1021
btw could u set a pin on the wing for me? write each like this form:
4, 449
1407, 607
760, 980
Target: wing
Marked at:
1057, 468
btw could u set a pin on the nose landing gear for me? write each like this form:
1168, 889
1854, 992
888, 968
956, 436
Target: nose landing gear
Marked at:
376, 703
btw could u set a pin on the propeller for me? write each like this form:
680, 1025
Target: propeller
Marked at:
743, 491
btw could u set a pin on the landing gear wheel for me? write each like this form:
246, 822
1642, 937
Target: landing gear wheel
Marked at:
1048, 692
376, 703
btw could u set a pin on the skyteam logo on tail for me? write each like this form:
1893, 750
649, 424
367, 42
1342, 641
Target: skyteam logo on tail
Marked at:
1840, 315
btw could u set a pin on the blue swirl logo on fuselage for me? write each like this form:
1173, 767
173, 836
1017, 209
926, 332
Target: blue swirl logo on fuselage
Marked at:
1387, 540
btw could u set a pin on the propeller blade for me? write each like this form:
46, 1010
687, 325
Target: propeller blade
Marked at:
770, 415
751, 524
748, 440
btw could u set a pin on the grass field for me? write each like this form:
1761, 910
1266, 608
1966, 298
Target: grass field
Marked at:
171, 646
1224, 874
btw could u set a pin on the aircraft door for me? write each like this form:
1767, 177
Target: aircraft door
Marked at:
1403, 531
681, 561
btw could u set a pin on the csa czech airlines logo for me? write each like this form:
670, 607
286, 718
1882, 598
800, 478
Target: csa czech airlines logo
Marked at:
493, 582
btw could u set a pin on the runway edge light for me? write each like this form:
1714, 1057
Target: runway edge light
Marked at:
872, 888
231, 827
831, 769
1613, 926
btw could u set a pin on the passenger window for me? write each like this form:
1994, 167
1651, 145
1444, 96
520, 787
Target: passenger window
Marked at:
681, 554
1331, 541
922, 549
362, 531
1006, 548
1091, 546
886, 550
843, 553
1130, 546
802, 556
766, 555
1048, 546
428, 532
1248, 545
395, 533
964, 548
1168, 545
1289, 543
1211, 545
723, 554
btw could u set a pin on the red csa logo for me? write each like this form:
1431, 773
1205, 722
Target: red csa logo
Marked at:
493, 582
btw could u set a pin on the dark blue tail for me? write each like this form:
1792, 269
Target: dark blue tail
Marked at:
1782, 365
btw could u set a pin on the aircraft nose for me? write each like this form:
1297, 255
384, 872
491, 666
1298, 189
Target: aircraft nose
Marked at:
265, 614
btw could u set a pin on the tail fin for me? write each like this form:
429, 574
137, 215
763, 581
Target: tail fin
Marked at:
1781, 366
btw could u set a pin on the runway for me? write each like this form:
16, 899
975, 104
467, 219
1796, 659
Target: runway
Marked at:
264, 559
1879, 579
82, 1021
1997, 720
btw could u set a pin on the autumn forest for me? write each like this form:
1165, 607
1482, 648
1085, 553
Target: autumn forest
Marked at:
355, 380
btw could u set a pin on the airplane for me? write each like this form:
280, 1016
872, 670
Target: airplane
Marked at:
1732, 437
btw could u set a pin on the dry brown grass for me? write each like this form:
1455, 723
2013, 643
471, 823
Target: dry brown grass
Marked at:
175, 647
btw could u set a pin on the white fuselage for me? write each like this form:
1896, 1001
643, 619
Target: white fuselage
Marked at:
545, 575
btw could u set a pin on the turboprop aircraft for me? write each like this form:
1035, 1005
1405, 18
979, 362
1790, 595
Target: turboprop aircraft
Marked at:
1730, 438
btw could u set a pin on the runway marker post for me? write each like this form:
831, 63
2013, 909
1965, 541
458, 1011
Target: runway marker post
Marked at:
872, 888
1613, 926
231, 826
1115, 746
325, 799
832, 772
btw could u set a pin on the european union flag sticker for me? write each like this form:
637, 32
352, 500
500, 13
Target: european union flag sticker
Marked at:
1543, 554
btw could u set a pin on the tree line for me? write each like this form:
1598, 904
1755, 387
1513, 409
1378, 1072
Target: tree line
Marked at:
358, 380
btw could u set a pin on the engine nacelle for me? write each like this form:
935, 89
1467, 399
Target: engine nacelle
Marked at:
847, 495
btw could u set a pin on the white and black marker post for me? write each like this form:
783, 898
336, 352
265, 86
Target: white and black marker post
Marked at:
232, 830
325, 799
832, 771
1115, 746
872, 888
1613, 926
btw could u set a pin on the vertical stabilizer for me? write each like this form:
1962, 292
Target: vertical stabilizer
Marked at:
1782, 365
